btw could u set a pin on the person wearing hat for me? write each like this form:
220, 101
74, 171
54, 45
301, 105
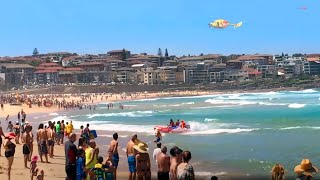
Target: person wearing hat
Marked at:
10, 149
305, 170
143, 161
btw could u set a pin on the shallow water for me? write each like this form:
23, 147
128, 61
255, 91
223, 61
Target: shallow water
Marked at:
230, 133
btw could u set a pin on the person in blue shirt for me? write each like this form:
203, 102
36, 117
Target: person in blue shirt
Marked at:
81, 172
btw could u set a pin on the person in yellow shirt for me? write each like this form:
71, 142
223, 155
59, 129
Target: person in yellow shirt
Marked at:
69, 128
91, 153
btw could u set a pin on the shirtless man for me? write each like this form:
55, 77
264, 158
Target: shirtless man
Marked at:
131, 157
51, 135
176, 159
26, 141
113, 152
42, 142
163, 164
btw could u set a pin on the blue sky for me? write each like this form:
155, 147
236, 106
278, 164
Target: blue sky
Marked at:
96, 26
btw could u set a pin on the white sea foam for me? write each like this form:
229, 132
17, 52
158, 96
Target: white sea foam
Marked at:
300, 127
305, 91
53, 114
296, 105
272, 104
210, 119
123, 114
219, 102
152, 99
220, 131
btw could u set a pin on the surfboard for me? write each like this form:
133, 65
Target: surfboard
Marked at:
93, 134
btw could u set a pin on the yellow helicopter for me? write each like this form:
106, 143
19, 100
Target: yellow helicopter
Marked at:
221, 24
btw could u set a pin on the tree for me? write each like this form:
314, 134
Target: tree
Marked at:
159, 52
35, 51
123, 54
166, 54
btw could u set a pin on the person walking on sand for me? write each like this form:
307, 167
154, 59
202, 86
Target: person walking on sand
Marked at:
42, 143
163, 164
26, 141
70, 150
113, 151
10, 149
131, 157
1, 134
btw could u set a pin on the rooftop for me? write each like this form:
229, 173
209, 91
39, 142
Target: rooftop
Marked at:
14, 65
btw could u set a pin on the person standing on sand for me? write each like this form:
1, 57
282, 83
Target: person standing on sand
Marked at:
71, 155
163, 164
185, 170
1, 134
10, 127
10, 149
62, 129
26, 141
42, 143
51, 136
131, 157
156, 152
17, 132
143, 161
113, 151
31, 143
58, 130
175, 153
91, 153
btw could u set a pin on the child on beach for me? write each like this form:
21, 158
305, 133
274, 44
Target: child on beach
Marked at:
10, 127
103, 172
80, 164
35, 170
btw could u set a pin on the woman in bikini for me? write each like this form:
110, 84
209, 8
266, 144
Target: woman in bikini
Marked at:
143, 162
10, 149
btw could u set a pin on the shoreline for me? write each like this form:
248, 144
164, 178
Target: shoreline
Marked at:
13, 110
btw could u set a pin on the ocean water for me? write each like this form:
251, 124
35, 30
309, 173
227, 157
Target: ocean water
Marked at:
243, 133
